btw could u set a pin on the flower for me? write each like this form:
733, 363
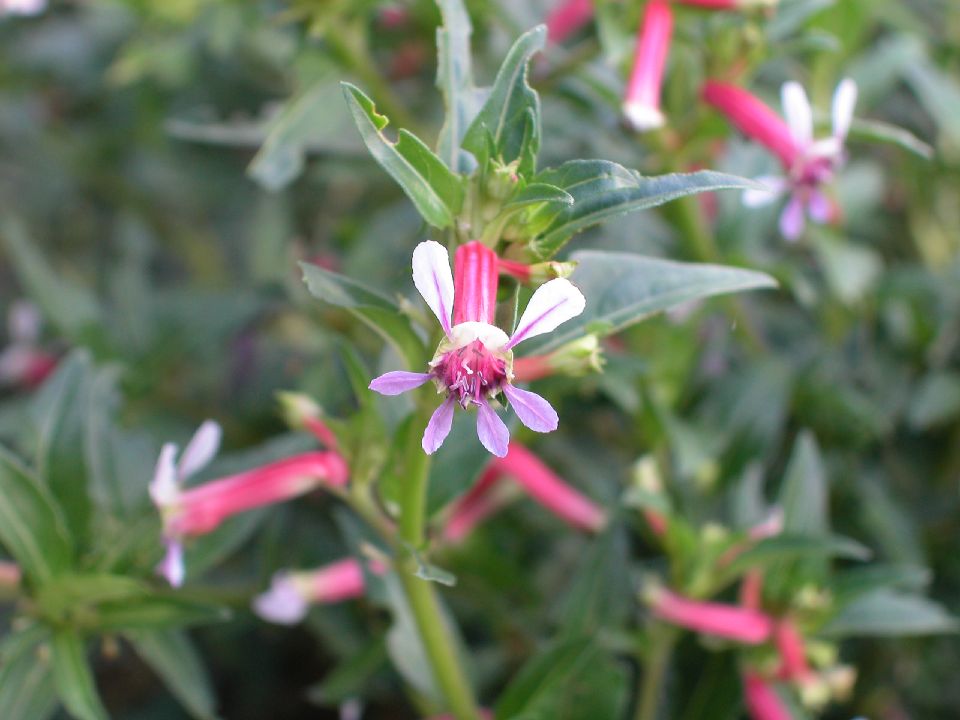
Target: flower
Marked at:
291, 593
568, 17
199, 510
809, 163
728, 4
641, 104
745, 625
474, 362
537, 480
22, 7
763, 702
23, 363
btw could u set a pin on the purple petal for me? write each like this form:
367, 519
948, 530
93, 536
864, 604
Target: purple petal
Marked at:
200, 450
791, 219
434, 279
533, 411
439, 426
553, 303
754, 198
796, 108
283, 603
492, 432
818, 205
398, 381
172, 567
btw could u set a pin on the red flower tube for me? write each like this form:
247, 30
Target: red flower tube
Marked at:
568, 17
641, 104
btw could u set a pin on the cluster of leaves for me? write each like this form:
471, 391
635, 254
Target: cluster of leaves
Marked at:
126, 209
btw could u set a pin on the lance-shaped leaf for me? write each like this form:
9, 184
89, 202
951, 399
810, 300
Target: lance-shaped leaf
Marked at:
74, 678
622, 289
26, 688
31, 527
436, 192
878, 131
602, 190
173, 657
508, 125
461, 99
889, 613
370, 306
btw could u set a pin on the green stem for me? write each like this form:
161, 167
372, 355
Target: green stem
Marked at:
657, 660
421, 594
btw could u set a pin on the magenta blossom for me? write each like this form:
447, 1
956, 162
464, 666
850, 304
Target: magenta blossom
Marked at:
641, 104
568, 17
809, 163
199, 510
292, 593
23, 363
474, 362
763, 701
744, 625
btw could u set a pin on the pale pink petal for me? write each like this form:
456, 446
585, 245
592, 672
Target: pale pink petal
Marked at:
791, 219
439, 426
796, 108
172, 567
200, 450
533, 411
819, 207
553, 303
434, 279
338, 581
283, 603
398, 381
755, 198
164, 488
23, 322
493, 434
844, 101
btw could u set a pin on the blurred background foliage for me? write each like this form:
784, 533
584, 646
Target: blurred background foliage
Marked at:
163, 166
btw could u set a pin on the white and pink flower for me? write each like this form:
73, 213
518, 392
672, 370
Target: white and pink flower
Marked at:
641, 104
474, 362
810, 163
23, 363
200, 510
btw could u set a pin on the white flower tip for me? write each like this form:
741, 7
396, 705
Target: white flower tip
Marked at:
643, 118
172, 567
799, 114
200, 450
283, 603
23, 322
434, 279
164, 487
844, 102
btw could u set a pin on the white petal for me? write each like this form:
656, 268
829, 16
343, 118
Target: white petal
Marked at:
434, 279
164, 488
844, 101
796, 108
172, 566
283, 603
553, 303
200, 450
759, 198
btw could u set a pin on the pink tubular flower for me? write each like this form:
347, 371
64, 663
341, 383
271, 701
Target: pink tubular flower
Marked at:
23, 363
292, 593
809, 163
534, 478
199, 510
728, 4
474, 362
568, 17
641, 105
763, 702
793, 653
744, 625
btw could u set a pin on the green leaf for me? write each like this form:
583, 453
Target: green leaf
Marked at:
304, 121
173, 657
74, 678
69, 592
602, 190
31, 527
59, 412
622, 289
572, 680
509, 122
66, 304
436, 192
156, 611
432, 573
377, 311
461, 99
881, 132
852, 583
537, 193
27, 690
803, 495
352, 677
888, 613
936, 401
781, 548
